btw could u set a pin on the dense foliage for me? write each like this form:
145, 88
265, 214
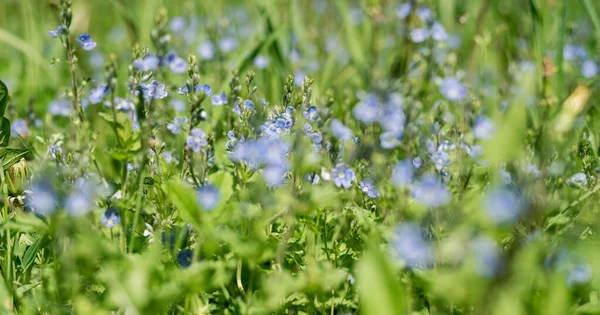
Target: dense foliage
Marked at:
299, 157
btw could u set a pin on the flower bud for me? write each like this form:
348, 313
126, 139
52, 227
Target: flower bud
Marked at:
17, 177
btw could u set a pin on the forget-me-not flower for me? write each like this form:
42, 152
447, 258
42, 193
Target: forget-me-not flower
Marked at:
86, 42
206, 50
110, 218
340, 131
219, 99
19, 128
368, 187
430, 192
175, 126
342, 175
410, 247
208, 197
99, 93
452, 89
148, 63
403, 173
503, 205
261, 62
196, 140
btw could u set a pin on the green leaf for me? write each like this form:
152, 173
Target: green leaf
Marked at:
24, 223
4, 132
11, 156
380, 292
3, 98
183, 198
24, 288
109, 119
31, 252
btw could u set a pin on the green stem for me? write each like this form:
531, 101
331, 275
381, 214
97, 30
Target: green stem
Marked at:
76, 101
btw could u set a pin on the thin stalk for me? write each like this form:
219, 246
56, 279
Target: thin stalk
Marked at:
138, 202
560, 48
76, 100
114, 113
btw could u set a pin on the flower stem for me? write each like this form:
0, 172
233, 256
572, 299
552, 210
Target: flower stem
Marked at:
76, 101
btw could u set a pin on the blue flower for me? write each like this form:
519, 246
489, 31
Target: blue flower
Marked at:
417, 162
178, 105
342, 175
403, 10
313, 178
265, 151
261, 62
204, 88
340, 131
452, 89
403, 173
503, 205
79, 203
86, 42
578, 179
110, 218
58, 31
219, 99
99, 93
438, 32
488, 257
185, 258
227, 44
425, 14
410, 247
153, 90
148, 63
60, 107
19, 128
175, 63
247, 106
572, 52
169, 157
196, 140
368, 187
446, 146
274, 152
368, 110
483, 128
589, 69
419, 35
42, 199
121, 104
208, 197
206, 50
431, 192
579, 274
440, 159
277, 128
175, 126
474, 151
274, 175
177, 24
391, 139
299, 78
55, 149
311, 113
